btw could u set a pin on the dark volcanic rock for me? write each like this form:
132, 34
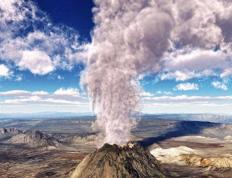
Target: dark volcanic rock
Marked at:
112, 161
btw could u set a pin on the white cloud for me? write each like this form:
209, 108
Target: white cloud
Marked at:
40, 93
188, 104
187, 86
226, 73
62, 100
38, 62
68, 91
198, 60
178, 75
185, 75
13, 93
4, 71
188, 108
164, 93
41, 50
70, 100
10, 10
68, 96
219, 85
189, 99
146, 94
186, 64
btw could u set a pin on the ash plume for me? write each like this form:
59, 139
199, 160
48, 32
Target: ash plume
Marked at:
131, 38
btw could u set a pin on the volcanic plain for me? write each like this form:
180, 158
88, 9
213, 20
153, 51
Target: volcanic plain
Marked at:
53, 147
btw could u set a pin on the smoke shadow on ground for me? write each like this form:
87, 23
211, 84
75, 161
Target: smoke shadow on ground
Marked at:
182, 128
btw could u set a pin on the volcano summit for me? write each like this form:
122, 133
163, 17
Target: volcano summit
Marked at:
113, 161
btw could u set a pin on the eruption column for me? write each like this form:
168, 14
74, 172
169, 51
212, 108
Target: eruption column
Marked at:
130, 38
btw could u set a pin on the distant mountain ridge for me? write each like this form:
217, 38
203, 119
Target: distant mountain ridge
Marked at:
42, 115
217, 118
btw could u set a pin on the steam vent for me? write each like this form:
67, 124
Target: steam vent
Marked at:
112, 161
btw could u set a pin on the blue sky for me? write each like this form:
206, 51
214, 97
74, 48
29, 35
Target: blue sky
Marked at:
73, 13
65, 27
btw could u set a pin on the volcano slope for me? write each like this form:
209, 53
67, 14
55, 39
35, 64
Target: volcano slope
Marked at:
112, 161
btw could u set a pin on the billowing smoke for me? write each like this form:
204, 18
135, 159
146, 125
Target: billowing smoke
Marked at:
131, 38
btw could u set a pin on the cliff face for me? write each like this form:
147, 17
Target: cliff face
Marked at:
9, 131
34, 139
112, 161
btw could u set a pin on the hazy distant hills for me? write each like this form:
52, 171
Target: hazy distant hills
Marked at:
192, 117
217, 118
42, 115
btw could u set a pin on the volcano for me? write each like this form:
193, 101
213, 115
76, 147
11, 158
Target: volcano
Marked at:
113, 161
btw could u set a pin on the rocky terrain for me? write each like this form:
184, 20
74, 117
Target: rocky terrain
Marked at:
9, 131
190, 157
34, 138
28, 138
222, 162
54, 148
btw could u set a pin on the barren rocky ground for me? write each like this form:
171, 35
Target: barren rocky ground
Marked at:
71, 139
